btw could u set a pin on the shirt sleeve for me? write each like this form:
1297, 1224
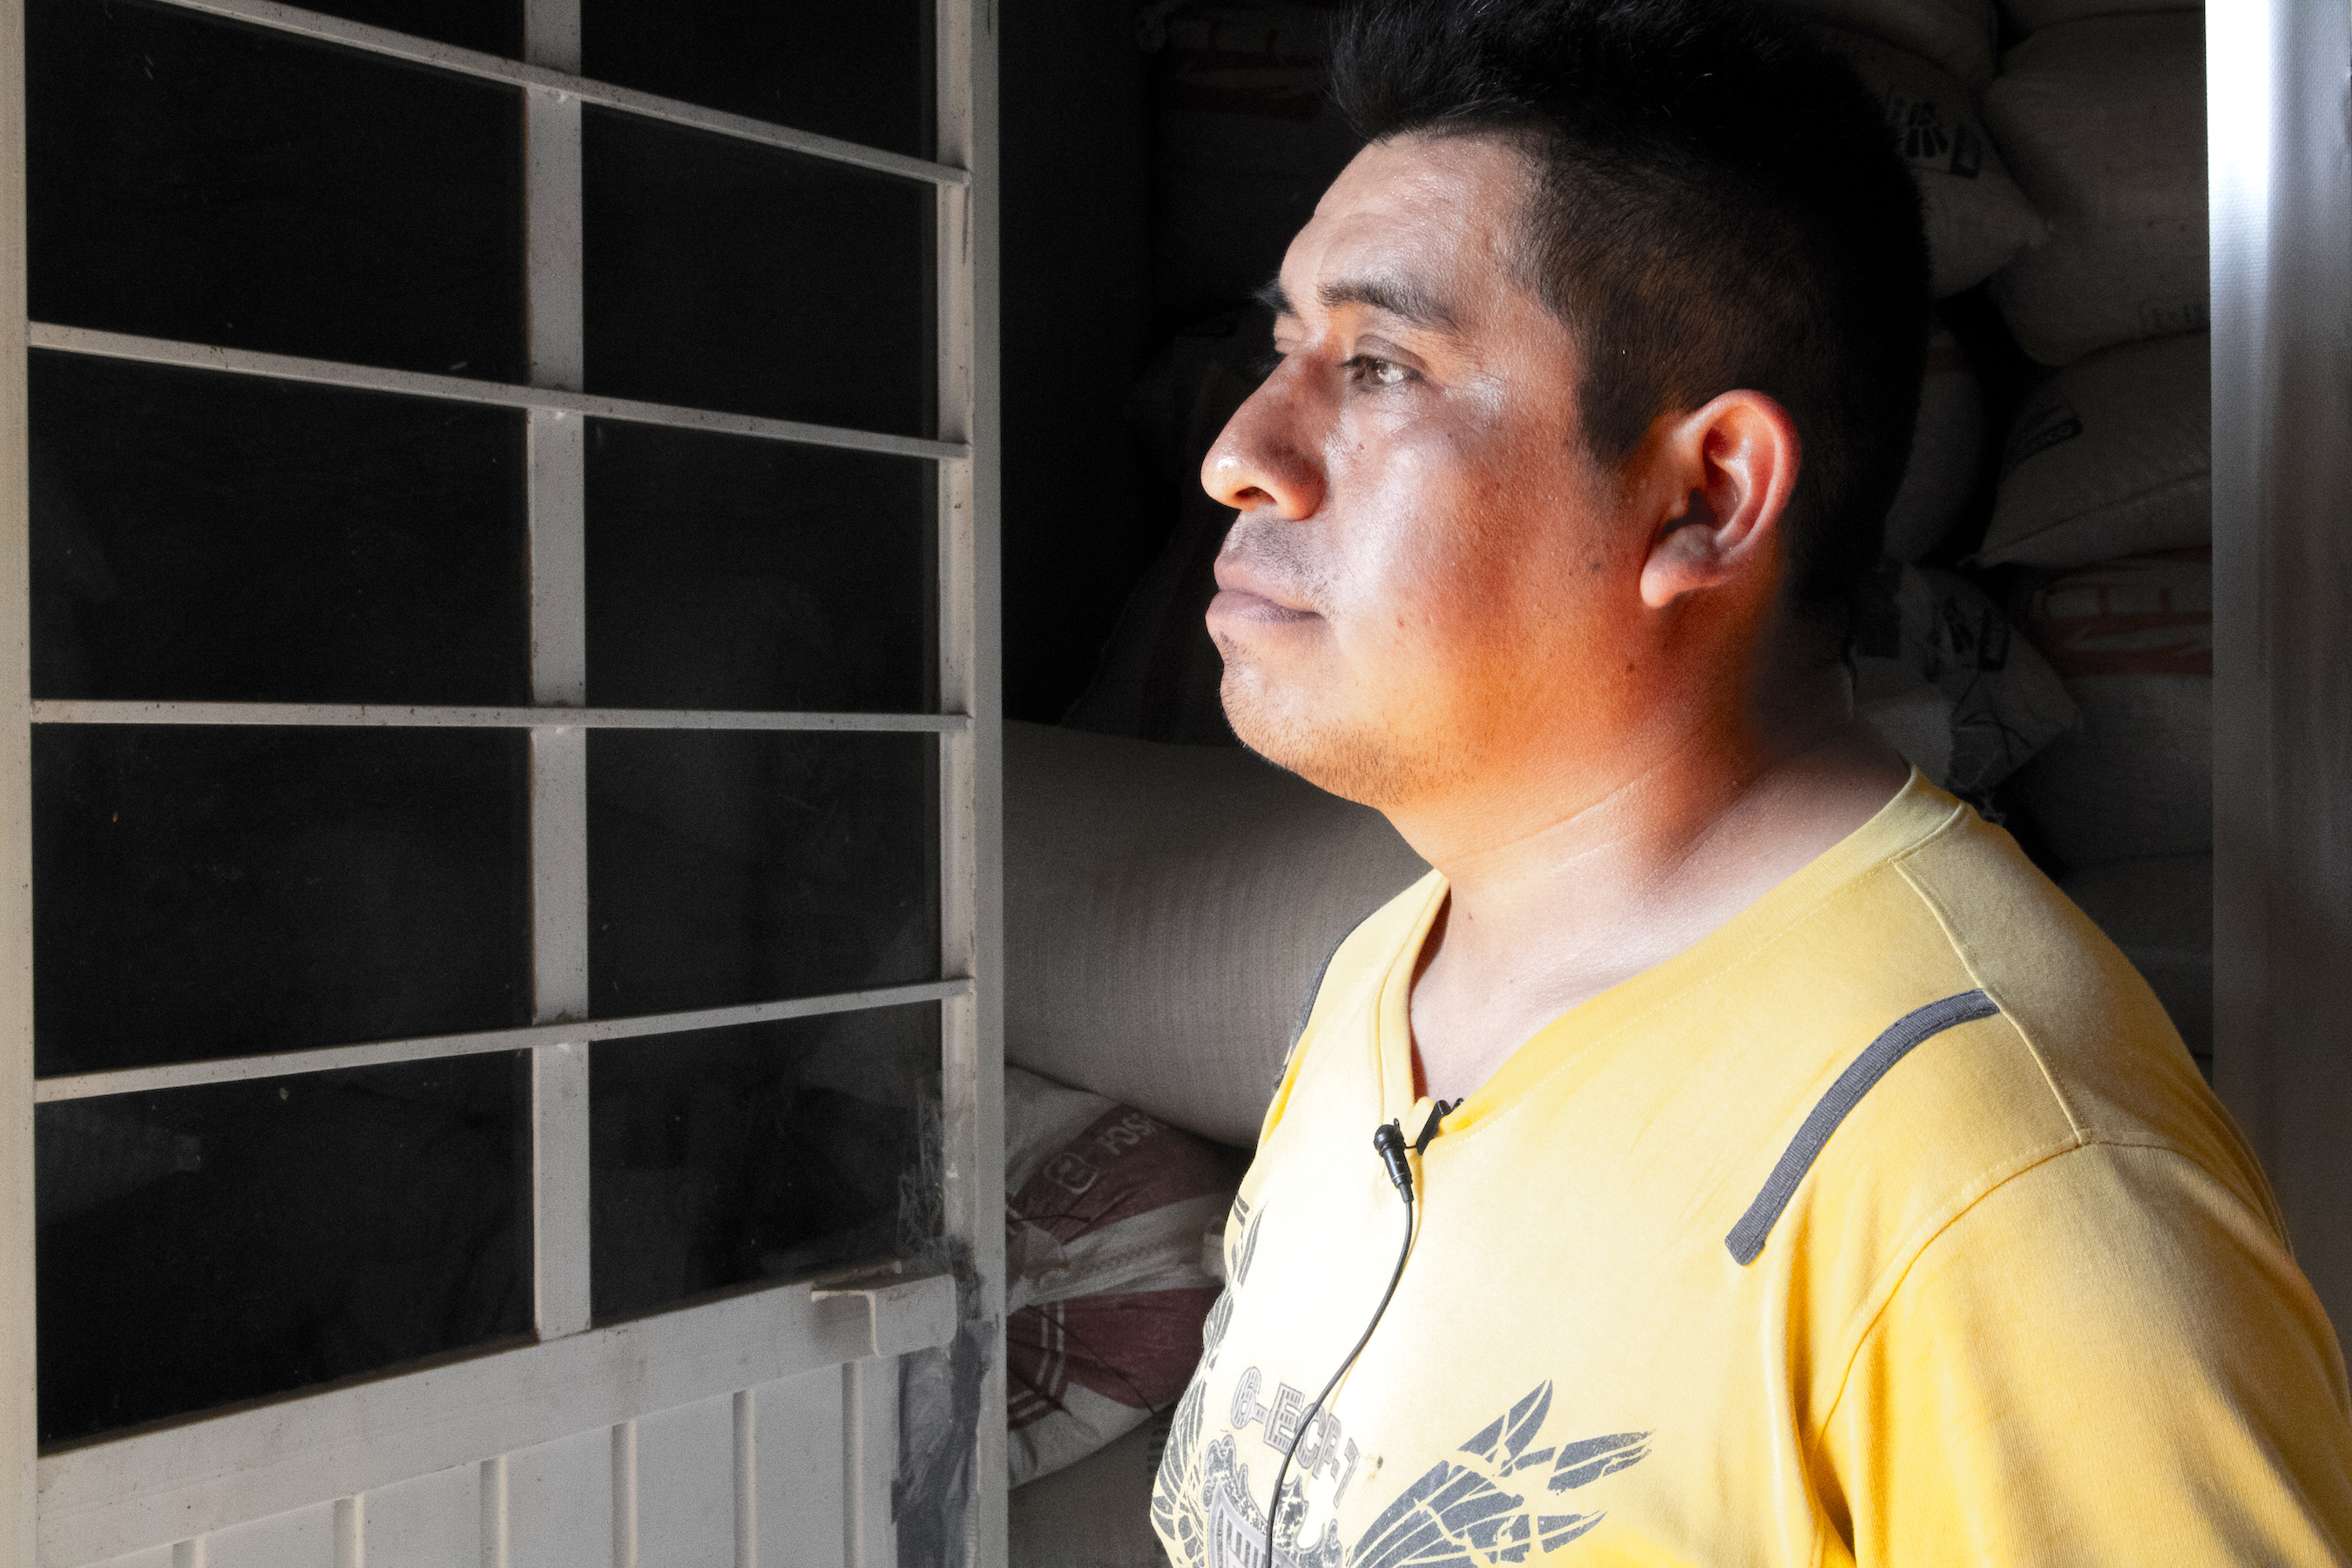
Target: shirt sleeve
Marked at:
2109, 1358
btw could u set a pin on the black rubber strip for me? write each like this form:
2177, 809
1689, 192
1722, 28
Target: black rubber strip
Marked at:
1747, 1239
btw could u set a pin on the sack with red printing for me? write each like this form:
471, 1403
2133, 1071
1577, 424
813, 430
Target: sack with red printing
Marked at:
2134, 641
1105, 1295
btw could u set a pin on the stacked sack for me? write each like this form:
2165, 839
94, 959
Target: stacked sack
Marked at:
2105, 497
2037, 640
1167, 909
2069, 186
1104, 1293
2102, 119
1924, 60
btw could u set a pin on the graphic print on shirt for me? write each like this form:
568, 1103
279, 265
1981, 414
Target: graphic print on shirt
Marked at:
1499, 1499
1169, 1515
1477, 1509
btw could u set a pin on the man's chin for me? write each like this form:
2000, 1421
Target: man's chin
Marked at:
1299, 735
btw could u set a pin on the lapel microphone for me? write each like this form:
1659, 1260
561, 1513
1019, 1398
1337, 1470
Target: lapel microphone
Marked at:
1389, 1143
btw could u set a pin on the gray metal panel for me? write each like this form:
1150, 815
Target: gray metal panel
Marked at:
543, 78
745, 1499
199, 1476
330, 1058
2280, 176
869, 1456
460, 389
17, 1430
556, 502
76, 710
972, 929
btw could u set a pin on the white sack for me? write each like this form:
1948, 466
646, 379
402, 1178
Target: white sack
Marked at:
2103, 123
1916, 721
1956, 35
2032, 15
2135, 641
1946, 448
1978, 220
2160, 912
1926, 647
1094, 1514
2113, 457
1166, 908
1104, 1289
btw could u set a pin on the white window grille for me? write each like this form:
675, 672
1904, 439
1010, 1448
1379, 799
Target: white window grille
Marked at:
750, 1375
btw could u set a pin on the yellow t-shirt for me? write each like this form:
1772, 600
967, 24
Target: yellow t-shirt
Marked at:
1891, 1223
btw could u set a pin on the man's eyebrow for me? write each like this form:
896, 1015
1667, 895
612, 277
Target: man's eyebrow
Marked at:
1398, 297
1405, 301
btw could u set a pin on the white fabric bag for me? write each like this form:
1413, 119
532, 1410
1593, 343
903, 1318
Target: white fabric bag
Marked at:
1956, 35
1098, 1513
2113, 457
2134, 639
1945, 679
1947, 450
2160, 912
1105, 1291
1978, 220
1166, 908
2103, 123
2032, 15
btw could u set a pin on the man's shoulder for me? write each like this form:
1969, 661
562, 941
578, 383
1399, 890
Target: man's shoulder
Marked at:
2048, 1040
2110, 1056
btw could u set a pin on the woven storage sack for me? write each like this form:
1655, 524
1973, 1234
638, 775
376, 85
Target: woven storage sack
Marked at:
1166, 908
1978, 220
2113, 457
1944, 678
1946, 448
1104, 1293
2160, 912
2032, 15
1955, 35
2134, 640
1098, 1513
2103, 123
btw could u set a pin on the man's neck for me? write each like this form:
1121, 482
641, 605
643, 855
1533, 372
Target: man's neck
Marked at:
1547, 909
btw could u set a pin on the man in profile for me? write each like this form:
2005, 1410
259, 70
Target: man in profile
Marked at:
1775, 1166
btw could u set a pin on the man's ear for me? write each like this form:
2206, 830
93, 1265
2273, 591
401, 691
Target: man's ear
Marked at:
1733, 465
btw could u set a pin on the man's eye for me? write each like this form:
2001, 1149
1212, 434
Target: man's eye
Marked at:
1378, 372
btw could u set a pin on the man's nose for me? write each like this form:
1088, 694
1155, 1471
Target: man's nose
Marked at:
1261, 459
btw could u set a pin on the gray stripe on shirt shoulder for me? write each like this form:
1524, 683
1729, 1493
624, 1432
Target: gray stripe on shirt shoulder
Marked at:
1314, 990
1747, 1239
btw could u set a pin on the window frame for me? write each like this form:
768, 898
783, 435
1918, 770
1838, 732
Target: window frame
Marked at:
556, 411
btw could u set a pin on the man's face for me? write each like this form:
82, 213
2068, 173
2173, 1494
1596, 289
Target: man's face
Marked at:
1429, 573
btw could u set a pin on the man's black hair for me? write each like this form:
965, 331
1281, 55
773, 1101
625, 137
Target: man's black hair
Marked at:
1719, 204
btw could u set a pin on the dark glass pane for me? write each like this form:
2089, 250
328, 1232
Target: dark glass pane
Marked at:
201, 1246
860, 72
210, 893
766, 1151
493, 27
224, 538
725, 572
721, 274
730, 866
214, 183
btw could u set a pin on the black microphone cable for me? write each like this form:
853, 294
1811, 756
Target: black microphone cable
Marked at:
1388, 1141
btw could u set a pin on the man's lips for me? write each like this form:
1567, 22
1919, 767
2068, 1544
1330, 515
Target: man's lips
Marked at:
1239, 604
1243, 595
